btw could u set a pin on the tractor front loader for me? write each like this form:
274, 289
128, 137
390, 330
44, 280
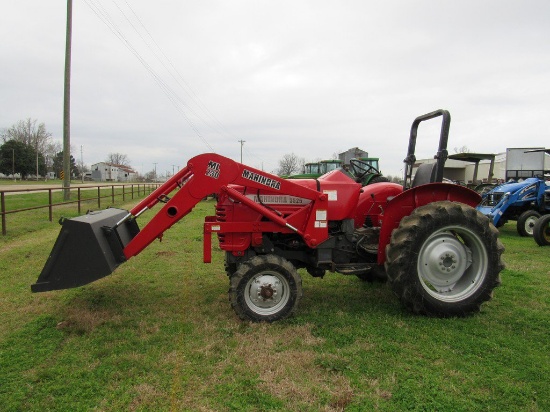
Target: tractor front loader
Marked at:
440, 255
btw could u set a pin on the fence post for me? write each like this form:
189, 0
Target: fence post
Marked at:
50, 204
123, 193
113, 194
79, 200
3, 207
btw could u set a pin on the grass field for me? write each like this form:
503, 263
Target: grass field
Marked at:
93, 197
159, 334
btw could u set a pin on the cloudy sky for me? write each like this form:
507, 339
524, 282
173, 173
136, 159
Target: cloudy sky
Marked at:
166, 80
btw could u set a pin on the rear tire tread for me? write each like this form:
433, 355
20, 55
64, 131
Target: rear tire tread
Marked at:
407, 240
541, 231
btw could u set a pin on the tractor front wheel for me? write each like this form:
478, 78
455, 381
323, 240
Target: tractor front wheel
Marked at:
526, 222
265, 288
444, 260
541, 231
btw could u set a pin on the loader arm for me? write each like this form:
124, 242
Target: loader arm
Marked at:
92, 246
211, 173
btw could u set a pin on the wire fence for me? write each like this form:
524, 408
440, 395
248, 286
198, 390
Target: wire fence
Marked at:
14, 201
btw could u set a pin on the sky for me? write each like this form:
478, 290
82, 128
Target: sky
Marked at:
167, 80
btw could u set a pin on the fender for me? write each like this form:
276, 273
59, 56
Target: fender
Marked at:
403, 205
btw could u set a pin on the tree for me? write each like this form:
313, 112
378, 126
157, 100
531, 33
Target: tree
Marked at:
150, 176
18, 157
118, 159
37, 137
52, 148
27, 132
290, 164
58, 164
462, 149
395, 179
82, 167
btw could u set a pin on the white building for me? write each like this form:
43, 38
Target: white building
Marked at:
109, 172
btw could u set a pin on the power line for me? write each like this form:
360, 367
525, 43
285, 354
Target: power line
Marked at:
177, 76
103, 15
159, 55
185, 87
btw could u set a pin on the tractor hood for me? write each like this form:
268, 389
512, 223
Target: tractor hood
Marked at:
513, 187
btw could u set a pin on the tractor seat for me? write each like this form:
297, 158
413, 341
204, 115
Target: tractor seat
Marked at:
424, 174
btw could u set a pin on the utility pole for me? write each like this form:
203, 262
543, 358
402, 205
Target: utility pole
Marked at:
155, 171
13, 163
242, 144
36, 144
81, 164
67, 106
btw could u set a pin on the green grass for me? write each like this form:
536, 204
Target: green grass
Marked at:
18, 222
159, 334
10, 182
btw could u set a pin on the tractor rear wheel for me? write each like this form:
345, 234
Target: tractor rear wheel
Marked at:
444, 260
541, 231
265, 288
526, 222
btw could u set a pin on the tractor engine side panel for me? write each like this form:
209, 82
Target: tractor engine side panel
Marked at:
373, 201
245, 228
252, 222
342, 192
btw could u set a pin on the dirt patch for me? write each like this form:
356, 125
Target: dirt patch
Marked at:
166, 253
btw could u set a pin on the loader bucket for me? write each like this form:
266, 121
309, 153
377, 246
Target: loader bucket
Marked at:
88, 248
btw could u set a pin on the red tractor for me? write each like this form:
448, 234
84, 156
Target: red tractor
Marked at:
440, 255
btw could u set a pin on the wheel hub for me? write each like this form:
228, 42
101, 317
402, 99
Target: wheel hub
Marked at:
265, 291
443, 261
530, 224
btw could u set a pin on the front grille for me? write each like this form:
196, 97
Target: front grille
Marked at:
221, 216
492, 199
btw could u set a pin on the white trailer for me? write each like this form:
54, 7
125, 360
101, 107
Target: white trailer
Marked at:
524, 162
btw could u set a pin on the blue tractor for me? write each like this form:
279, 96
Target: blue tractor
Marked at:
525, 202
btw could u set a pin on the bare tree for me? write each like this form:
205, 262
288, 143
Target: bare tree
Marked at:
150, 176
27, 132
462, 149
50, 151
289, 164
32, 136
82, 167
118, 159
395, 179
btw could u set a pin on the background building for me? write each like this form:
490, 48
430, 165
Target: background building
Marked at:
109, 172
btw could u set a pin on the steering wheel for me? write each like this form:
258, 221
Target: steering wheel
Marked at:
361, 168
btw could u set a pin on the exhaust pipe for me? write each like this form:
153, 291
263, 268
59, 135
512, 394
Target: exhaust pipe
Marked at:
88, 248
